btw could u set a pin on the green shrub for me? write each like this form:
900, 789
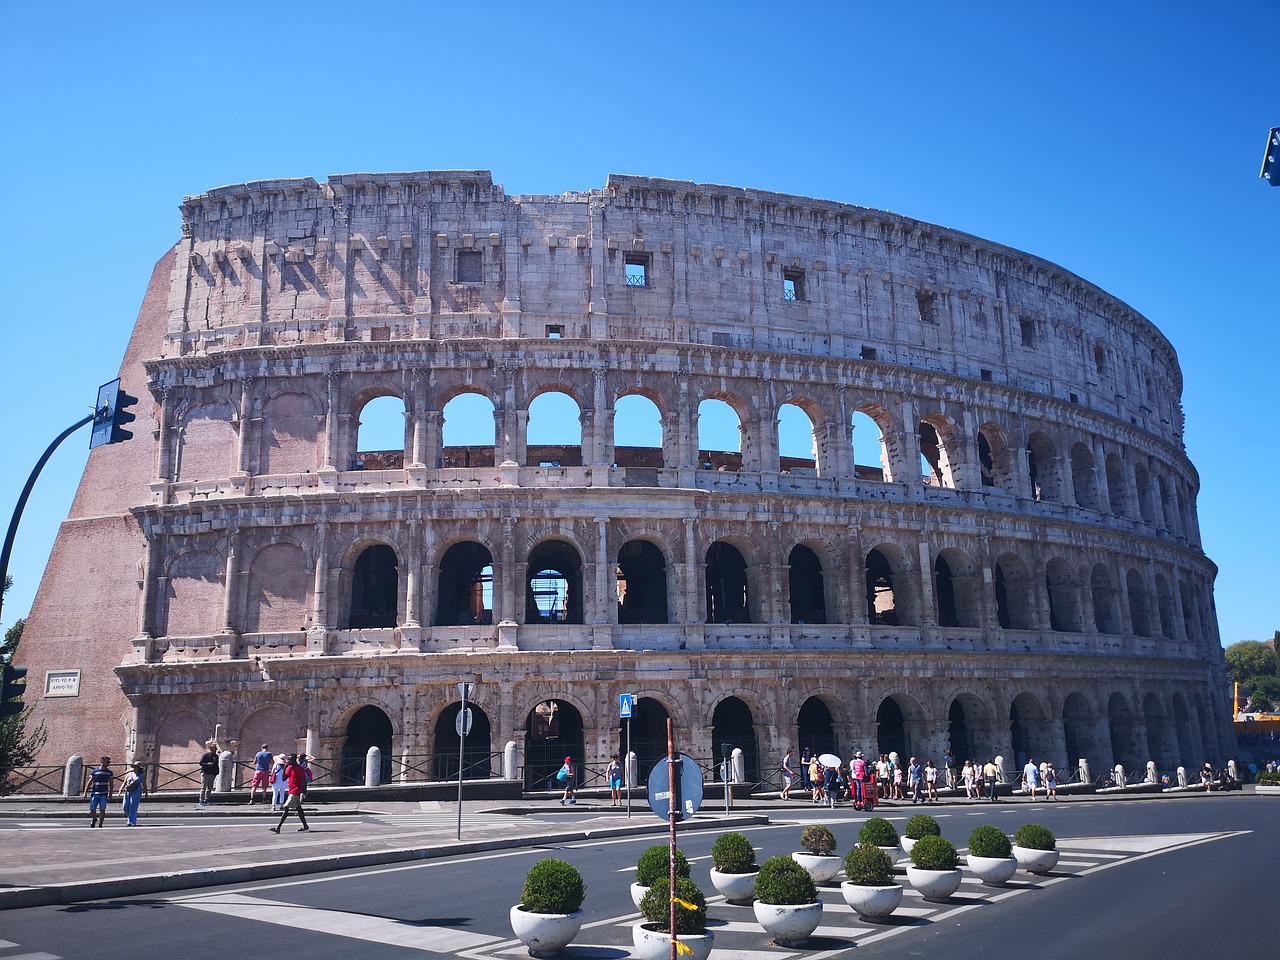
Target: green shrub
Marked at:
1269, 779
921, 825
553, 886
733, 853
935, 853
782, 881
655, 862
878, 832
656, 906
989, 841
868, 866
818, 840
1035, 837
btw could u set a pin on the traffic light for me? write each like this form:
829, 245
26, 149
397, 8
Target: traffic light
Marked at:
123, 416
110, 414
12, 687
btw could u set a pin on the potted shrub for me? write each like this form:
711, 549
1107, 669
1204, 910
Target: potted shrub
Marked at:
734, 868
549, 914
879, 832
652, 938
655, 862
935, 868
818, 856
1035, 848
990, 856
921, 825
870, 889
787, 903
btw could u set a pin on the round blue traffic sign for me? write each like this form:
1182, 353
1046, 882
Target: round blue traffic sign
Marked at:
688, 793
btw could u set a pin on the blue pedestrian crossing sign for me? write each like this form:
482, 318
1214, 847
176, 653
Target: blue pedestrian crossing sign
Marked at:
624, 706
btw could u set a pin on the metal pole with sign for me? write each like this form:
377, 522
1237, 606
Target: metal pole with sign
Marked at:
625, 703
463, 726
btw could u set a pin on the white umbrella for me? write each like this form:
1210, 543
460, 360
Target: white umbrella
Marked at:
829, 760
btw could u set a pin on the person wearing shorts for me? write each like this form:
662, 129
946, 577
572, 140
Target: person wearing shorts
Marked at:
98, 789
614, 776
262, 761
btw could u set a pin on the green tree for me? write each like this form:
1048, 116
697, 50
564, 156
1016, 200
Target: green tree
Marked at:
17, 747
1249, 659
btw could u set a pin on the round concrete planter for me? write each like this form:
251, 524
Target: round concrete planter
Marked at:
872, 903
820, 869
739, 888
993, 871
545, 934
894, 852
637, 894
1035, 861
907, 843
654, 944
790, 925
936, 886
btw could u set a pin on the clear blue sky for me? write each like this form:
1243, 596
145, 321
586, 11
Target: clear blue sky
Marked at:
1122, 141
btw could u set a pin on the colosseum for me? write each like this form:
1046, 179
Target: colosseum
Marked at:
989, 545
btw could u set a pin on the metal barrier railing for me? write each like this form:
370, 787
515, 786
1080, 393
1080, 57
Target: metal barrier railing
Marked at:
32, 780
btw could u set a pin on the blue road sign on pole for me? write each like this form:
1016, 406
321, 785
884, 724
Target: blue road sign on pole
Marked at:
624, 706
688, 788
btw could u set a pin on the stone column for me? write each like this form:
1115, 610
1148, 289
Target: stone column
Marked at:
508, 599
232, 584
331, 449
603, 420
928, 606
412, 585
242, 437
600, 613
692, 607
320, 594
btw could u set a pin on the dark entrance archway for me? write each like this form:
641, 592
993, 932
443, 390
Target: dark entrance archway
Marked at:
808, 593
958, 732
733, 724
648, 735
476, 759
891, 730
727, 598
816, 729
465, 586
642, 583
374, 588
553, 731
1019, 735
368, 727
553, 588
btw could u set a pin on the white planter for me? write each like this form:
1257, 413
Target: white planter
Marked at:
790, 925
907, 844
993, 871
652, 944
872, 903
545, 934
894, 852
1035, 861
820, 869
936, 886
637, 894
739, 888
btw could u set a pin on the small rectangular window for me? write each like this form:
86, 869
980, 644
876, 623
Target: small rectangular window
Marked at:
985, 374
1028, 329
470, 267
637, 266
925, 307
1100, 361
792, 285
721, 340
555, 332
1075, 398
868, 353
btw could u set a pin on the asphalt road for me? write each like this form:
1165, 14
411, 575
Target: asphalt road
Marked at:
1138, 879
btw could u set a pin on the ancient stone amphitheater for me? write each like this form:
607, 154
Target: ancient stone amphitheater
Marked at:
989, 545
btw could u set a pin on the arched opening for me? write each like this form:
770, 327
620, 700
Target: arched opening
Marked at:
808, 594
1187, 750
958, 732
719, 436
1156, 720
1019, 734
870, 449
1106, 615
944, 588
1064, 604
465, 586
882, 597
553, 731
727, 588
1078, 730
648, 735
1185, 600
380, 437
1015, 609
732, 723
1164, 604
553, 588
1042, 468
1142, 481
891, 730
797, 445
637, 432
935, 457
375, 588
816, 729
956, 590
1125, 746
995, 461
1116, 486
986, 463
476, 752
468, 432
642, 583
1083, 479
554, 433
368, 727
1137, 591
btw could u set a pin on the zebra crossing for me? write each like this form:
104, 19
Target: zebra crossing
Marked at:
7, 945
428, 819
738, 936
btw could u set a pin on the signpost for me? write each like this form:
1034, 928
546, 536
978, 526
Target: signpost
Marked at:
675, 793
625, 702
463, 726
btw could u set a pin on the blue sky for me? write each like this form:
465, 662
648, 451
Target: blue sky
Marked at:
1121, 141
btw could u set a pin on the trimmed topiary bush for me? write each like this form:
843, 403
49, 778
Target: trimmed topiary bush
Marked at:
1035, 837
935, 853
553, 886
655, 862
656, 907
782, 882
818, 840
989, 841
921, 825
869, 866
733, 853
878, 832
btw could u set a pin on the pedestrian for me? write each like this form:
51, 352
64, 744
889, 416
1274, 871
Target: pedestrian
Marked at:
614, 776
208, 770
815, 778
831, 785
566, 776
788, 775
1051, 783
896, 769
1030, 776
858, 772
296, 775
279, 785
966, 776
991, 771
131, 792
949, 766
262, 761
98, 789
805, 782
931, 780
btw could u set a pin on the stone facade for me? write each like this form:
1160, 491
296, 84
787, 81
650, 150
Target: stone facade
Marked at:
1016, 570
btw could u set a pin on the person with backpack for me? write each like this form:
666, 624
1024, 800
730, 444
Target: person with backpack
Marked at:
131, 793
566, 776
296, 774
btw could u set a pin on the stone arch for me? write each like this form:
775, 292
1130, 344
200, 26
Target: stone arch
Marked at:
956, 581
875, 445
464, 585
649, 715
1106, 609
728, 588
1142, 485
797, 437
372, 577
967, 717
815, 726
1186, 600
642, 583
275, 724
996, 466
207, 442
1126, 743
474, 751
180, 738
719, 415
554, 434
1184, 733
380, 429
806, 585
1084, 479
194, 594
898, 716
733, 722
1064, 596
939, 451
1136, 588
290, 434
553, 731
1117, 488
1029, 729
1159, 743
891, 599
553, 583
1079, 730
638, 416
1164, 606
278, 590
469, 429
1043, 473
1014, 590
366, 727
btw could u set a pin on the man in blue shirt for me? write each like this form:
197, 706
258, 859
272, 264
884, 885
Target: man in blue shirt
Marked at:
262, 761
98, 789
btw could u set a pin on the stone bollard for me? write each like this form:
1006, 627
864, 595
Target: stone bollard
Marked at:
373, 767
633, 770
1118, 773
1086, 776
510, 770
1153, 775
226, 778
1000, 776
738, 765
1182, 776
73, 776
1231, 771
